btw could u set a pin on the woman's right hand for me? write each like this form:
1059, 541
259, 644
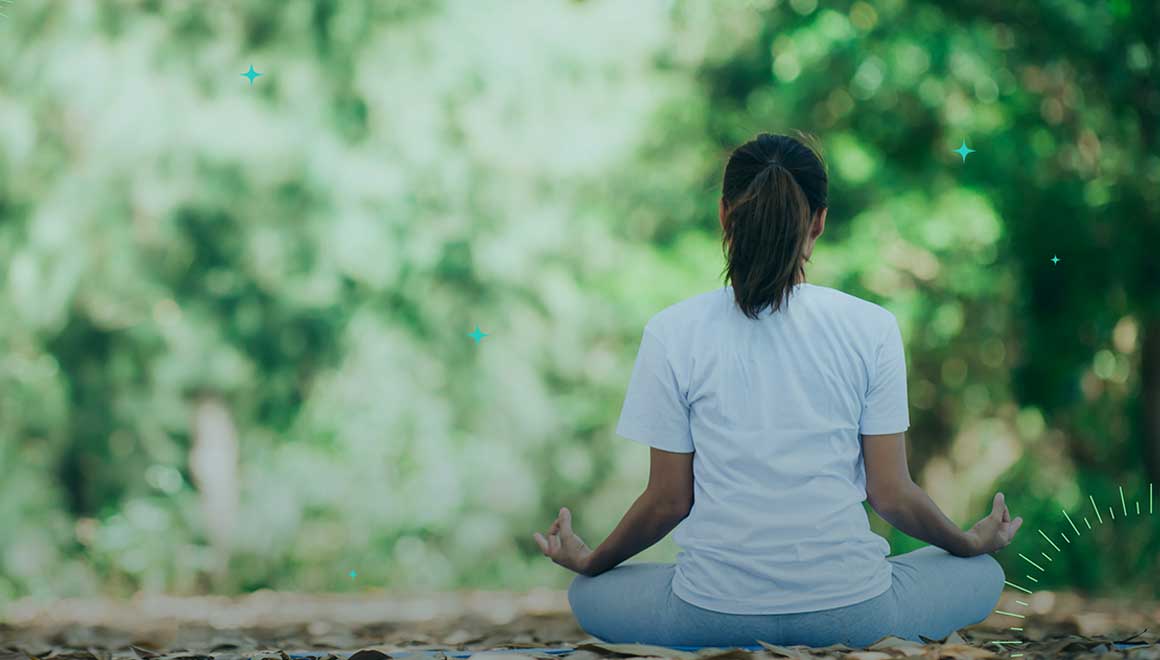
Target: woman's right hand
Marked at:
996, 530
563, 546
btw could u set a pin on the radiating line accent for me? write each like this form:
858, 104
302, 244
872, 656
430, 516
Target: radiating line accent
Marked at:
1098, 516
1031, 578
1004, 613
1049, 541
1019, 628
1046, 555
1137, 507
1032, 563
1065, 537
1112, 512
1122, 503
1085, 521
1022, 603
1071, 523
1012, 584
1005, 642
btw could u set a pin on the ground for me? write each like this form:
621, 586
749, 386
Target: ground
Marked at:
269, 625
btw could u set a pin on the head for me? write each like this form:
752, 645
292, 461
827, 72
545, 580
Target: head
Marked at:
772, 210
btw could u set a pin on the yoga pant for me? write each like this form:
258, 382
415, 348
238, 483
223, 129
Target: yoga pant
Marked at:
933, 594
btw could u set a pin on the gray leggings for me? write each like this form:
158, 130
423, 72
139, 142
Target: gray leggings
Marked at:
933, 594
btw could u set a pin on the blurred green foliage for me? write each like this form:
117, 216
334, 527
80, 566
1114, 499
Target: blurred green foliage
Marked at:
276, 281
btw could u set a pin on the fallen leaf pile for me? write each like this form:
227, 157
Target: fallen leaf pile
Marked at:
492, 626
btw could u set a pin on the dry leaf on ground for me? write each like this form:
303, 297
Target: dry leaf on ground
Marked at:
637, 650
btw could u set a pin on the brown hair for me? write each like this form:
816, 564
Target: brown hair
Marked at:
773, 187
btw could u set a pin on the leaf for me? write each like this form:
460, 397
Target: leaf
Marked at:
868, 655
782, 651
724, 654
583, 655
904, 646
369, 654
955, 638
144, 654
835, 647
964, 652
636, 650
1145, 653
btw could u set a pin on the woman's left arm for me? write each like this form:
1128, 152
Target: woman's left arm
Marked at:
665, 502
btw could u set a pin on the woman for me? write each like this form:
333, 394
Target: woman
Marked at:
774, 408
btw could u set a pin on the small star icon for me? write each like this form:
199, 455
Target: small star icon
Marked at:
477, 335
353, 575
964, 150
251, 74
1054, 259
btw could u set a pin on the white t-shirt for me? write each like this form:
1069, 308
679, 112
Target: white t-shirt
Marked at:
772, 409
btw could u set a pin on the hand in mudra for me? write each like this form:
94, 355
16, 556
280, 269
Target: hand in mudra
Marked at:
996, 530
563, 546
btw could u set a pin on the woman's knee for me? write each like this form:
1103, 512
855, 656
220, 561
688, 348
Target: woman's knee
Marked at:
988, 575
625, 604
577, 592
583, 602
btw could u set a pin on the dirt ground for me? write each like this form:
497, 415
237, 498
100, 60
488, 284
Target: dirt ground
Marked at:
274, 625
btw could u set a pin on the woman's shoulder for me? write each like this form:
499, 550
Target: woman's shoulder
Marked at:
688, 313
852, 305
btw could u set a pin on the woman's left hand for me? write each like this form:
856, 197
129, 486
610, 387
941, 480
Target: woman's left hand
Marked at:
563, 546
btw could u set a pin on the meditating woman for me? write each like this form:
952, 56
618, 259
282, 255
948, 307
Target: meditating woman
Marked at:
774, 408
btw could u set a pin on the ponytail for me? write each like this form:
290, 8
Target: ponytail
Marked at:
767, 220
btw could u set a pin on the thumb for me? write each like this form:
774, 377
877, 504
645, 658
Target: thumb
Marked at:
998, 506
565, 521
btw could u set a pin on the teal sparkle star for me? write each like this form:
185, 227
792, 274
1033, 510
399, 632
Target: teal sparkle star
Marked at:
964, 150
251, 74
477, 335
1054, 259
352, 574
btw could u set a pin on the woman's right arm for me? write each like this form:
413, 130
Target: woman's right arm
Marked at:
902, 503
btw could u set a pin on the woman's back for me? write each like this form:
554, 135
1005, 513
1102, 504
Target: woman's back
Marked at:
773, 408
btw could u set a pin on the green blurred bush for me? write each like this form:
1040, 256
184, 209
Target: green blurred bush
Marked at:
236, 348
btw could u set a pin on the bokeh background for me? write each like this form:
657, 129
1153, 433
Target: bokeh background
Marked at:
235, 315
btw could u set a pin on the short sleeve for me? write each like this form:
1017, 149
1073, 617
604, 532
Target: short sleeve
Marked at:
885, 409
655, 411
